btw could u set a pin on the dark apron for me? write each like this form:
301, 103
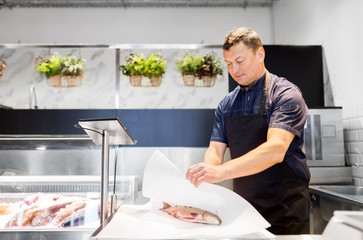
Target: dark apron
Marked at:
278, 193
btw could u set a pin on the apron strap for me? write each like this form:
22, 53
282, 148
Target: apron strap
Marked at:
264, 93
263, 97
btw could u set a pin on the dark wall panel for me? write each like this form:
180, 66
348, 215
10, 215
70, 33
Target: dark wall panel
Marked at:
150, 127
301, 65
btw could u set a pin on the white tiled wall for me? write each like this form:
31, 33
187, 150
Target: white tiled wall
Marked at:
353, 141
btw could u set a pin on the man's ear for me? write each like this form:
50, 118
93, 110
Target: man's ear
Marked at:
261, 54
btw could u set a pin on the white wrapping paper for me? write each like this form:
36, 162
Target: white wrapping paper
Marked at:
164, 182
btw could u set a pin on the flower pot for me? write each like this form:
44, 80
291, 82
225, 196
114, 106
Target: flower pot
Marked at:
72, 81
65, 81
155, 81
189, 79
55, 81
208, 81
135, 81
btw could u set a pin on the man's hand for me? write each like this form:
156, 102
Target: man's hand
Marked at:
204, 172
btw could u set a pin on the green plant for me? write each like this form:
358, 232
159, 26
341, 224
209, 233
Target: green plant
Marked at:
211, 66
72, 66
58, 65
190, 63
154, 66
134, 66
49, 67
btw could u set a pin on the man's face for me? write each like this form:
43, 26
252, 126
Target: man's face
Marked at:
243, 64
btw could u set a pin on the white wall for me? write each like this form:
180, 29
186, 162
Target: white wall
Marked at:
353, 141
334, 24
117, 25
131, 25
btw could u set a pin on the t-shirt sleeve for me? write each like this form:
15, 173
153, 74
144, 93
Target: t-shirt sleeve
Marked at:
219, 126
289, 111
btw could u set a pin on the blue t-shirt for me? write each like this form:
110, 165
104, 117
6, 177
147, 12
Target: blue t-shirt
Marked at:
285, 108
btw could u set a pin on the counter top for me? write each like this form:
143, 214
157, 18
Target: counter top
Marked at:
279, 237
344, 193
299, 237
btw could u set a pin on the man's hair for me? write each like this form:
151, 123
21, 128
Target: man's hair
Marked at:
245, 35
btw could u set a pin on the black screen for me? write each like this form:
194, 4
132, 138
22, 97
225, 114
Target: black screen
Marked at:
301, 65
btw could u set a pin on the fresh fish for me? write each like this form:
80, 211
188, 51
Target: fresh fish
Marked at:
46, 216
4, 209
35, 215
75, 219
191, 214
67, 211
82, 216
41, 210
23, 218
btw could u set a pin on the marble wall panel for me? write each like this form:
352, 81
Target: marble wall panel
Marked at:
172, 93
98, 90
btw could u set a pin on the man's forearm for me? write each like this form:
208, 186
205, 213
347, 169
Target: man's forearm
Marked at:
259, 159
215, 153
252, 162
211, 157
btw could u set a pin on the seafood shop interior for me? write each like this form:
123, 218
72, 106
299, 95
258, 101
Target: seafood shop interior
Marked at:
132, 119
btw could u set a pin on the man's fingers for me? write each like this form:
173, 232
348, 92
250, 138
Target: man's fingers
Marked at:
203, 172
192, 170
196, 173
196, 177
199, 180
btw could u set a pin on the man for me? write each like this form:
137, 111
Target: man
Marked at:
262, 122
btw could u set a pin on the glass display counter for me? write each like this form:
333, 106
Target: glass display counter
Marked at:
50, 186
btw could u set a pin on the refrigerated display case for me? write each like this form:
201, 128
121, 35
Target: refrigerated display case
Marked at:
50, 186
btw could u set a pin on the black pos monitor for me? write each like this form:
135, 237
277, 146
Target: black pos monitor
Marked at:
106, 132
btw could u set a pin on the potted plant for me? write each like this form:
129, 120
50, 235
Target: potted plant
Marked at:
134, 68
51, 68
211, 68
3, 66
155, 68
73, 69
188, 67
